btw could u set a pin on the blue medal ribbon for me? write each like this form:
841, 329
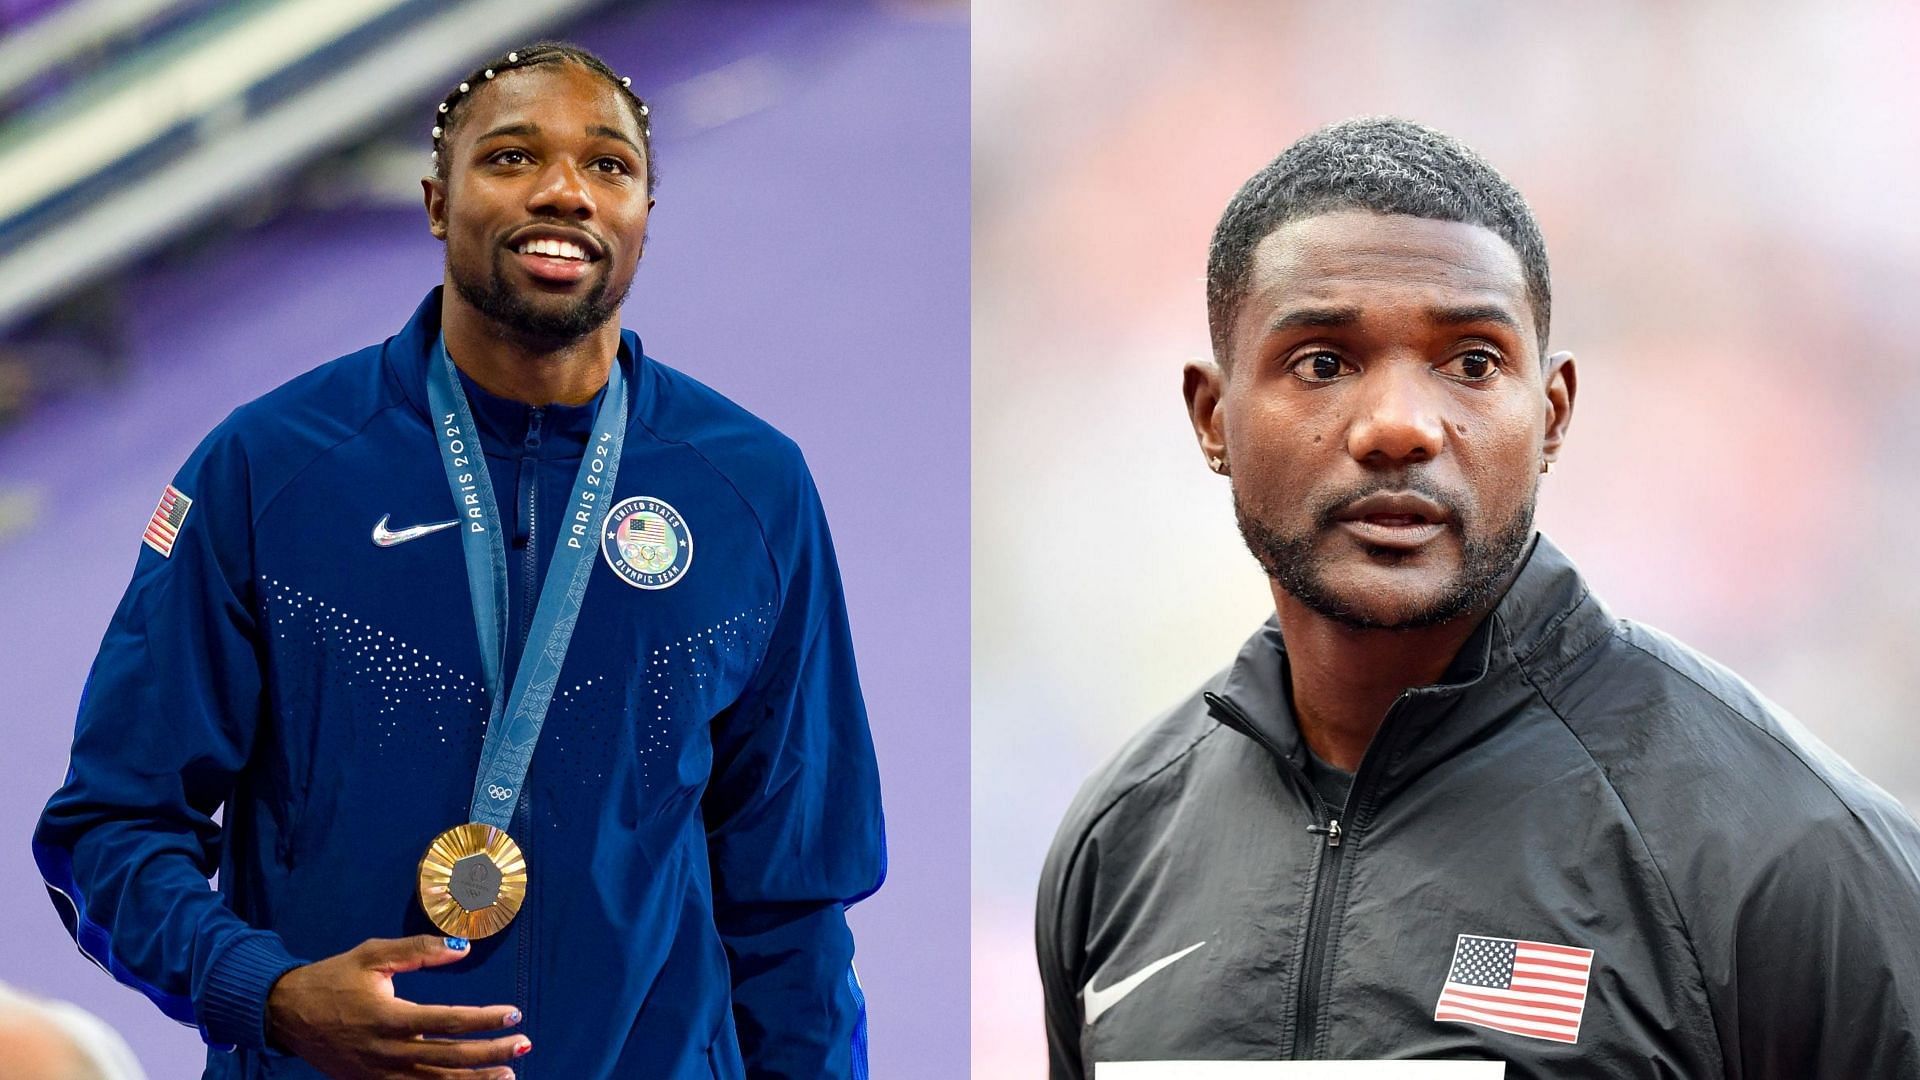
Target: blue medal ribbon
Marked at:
514, 718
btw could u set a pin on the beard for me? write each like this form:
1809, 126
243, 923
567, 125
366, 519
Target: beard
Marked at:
1293, 562
511, 309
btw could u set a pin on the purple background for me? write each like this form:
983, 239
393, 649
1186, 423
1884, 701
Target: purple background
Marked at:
21, 12
808, 258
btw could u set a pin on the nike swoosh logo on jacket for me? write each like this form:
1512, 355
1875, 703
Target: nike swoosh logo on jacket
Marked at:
1097, 1002
385, 537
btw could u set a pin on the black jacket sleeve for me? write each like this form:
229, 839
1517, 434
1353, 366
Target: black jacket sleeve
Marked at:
1059, 936
1818, 954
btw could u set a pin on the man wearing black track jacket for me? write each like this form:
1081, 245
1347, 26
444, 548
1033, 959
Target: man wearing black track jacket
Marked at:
1446, 805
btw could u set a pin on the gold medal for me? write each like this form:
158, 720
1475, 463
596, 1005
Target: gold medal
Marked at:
473, 880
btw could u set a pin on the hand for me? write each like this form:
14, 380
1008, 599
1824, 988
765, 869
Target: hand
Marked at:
340, 1015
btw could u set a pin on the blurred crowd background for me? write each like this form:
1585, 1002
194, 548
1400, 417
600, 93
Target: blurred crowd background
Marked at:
200, 200
1728, 193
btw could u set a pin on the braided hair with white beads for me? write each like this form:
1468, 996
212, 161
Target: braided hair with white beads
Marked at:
538, 54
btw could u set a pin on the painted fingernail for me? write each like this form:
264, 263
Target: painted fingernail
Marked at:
521, 1050
512, 1018
456, 943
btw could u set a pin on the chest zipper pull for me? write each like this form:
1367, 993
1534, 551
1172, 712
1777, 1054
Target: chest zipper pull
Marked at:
1331, 830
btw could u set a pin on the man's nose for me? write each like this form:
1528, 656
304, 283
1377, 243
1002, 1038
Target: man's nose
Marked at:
1399, 419
562, 192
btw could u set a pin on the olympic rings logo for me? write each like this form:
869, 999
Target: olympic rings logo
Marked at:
499, 792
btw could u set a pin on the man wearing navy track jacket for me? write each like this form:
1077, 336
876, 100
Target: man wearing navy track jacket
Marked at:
301, 650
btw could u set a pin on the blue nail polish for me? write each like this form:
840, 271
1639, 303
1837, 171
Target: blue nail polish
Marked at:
456, 943
513, 1017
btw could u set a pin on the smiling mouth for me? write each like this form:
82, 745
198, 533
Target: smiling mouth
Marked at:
554, 261
553, 248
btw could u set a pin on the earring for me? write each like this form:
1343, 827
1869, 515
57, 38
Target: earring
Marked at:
1546, 467
1217, 464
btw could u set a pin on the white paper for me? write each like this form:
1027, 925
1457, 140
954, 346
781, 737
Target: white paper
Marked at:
1299, 1070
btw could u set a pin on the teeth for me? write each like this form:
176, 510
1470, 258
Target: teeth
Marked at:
558, 249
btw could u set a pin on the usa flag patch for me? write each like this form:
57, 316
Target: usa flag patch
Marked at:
164, 526
1528, 988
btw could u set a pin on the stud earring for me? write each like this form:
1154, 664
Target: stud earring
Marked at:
1546, 467
1217, 464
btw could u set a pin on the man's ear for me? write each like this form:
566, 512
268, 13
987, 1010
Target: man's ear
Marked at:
1562, 383
435, 193
1204, 384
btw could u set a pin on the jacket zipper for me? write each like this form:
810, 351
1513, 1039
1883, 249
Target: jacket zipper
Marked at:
529, 595
1326, 879
530, 492
1314, 975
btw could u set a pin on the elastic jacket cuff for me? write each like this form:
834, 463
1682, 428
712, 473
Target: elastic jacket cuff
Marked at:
233, 1001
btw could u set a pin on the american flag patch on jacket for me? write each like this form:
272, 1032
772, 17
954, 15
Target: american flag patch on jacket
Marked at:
164, 526
1526, 988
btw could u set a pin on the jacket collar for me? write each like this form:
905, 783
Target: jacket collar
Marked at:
509, 428
503, 422
1546, 618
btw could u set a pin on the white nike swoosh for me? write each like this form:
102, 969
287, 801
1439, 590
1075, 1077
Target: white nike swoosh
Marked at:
1096, 1002
387, 538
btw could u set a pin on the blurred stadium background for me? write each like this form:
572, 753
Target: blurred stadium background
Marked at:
1728, 194
199, 200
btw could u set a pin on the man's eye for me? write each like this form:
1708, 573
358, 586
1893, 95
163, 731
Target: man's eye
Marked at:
615, 165
1477, 365
1318, 367
509, 157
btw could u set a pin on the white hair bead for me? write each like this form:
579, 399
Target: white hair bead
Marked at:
489, 73
443, 106
643, 108
463, 88
436, 131
513, 58
624, 81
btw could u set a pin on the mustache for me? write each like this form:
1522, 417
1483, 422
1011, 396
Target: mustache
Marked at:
1326, 512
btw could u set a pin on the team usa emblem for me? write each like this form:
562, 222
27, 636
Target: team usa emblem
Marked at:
647, 543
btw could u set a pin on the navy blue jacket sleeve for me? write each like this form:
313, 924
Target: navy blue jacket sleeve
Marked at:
793, 818
128, 844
